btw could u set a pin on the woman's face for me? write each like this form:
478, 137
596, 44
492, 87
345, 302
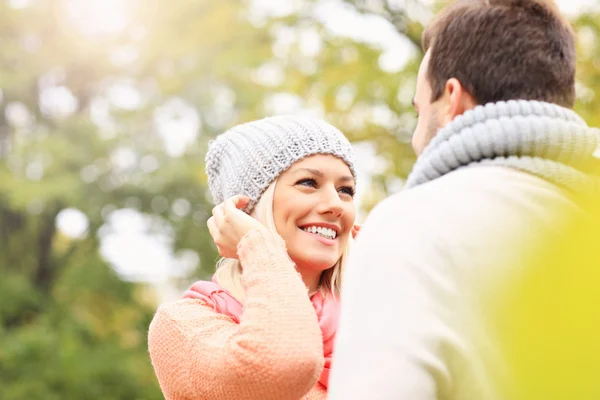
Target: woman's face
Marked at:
314, 212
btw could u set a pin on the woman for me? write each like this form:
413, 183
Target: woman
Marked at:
264, 327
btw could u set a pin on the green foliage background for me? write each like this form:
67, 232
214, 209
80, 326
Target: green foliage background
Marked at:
70, 327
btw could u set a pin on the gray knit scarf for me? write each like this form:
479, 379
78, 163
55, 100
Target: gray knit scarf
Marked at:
543, 139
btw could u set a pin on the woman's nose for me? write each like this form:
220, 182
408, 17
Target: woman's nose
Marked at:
331, 202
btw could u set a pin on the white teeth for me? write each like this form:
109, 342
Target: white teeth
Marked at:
325, 232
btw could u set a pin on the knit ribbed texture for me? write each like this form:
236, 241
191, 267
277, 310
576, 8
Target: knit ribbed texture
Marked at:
275, 353
543, 139
249, 157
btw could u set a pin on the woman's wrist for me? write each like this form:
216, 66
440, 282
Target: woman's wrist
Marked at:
261, 248
260, 239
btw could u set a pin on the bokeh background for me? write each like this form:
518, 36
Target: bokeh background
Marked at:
106, 109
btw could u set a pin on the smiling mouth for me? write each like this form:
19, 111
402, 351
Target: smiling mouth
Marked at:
320, 231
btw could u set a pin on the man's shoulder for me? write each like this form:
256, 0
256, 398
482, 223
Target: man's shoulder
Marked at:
484, 186
471, 198
484, 179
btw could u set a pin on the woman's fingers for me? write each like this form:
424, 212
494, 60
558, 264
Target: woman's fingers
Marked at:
237, 219
228, 224
219, 215
218, 238
212, 228
240, 201
229, 205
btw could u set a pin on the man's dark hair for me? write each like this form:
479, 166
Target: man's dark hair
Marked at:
502, 50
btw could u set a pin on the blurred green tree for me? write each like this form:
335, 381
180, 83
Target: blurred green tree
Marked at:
85, 124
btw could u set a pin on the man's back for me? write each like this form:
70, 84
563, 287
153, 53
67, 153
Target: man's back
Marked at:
426, 294
442, 257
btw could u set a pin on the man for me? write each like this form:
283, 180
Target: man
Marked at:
502, 164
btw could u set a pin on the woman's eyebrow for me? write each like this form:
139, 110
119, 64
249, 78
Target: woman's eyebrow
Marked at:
312, 171
316, 172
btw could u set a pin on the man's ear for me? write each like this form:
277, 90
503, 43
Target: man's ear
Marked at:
458, 100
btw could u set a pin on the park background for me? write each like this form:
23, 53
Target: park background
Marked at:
106, 109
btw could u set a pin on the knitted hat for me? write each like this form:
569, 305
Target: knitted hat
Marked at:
249, 157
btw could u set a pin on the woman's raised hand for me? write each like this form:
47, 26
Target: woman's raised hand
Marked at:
229, 224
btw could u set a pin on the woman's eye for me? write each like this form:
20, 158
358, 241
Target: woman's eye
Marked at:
348, 190
307, 182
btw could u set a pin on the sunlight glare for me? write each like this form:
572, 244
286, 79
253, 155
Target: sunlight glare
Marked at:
98, 18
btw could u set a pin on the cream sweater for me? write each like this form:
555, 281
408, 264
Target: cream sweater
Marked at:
440, 256
434, 255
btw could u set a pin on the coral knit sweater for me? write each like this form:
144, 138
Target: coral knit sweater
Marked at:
275, 352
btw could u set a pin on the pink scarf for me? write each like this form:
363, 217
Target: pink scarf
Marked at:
327, 309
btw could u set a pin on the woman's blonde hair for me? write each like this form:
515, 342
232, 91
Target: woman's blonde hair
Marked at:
229, 270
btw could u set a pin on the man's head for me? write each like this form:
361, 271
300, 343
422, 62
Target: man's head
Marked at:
482, 51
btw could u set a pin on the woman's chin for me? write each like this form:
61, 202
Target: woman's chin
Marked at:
314, 264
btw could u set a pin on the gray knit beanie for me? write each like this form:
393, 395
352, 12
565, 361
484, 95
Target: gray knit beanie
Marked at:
249, 157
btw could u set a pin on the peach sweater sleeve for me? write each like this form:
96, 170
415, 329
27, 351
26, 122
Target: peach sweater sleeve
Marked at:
276, 351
